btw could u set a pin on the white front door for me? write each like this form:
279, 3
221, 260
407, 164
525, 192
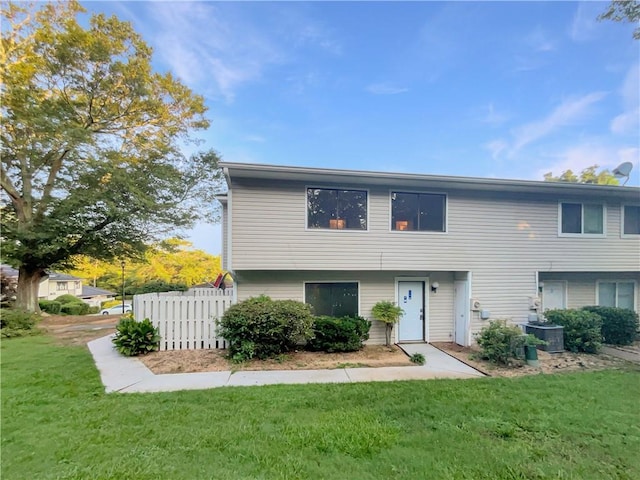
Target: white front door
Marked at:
411, 300
461, 311
554, 295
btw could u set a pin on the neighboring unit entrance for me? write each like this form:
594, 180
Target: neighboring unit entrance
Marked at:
461, 311
411, 300
554, 295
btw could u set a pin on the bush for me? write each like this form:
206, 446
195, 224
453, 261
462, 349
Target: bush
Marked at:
75, 308
136, 338
94, 310
263, 328
68, 298
387, 312
50, 306
345, 334
418, 359
18, 323
619, 325
110, 303
582, 329
500, 343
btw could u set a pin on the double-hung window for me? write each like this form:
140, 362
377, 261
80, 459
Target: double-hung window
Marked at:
619, 294
61, 286
336, 209
422, 212
581, 219
631, 220
336, 299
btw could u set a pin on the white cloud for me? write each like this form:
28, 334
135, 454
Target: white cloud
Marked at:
584, 23
493, 116
629, 120
568, 112
496, 147
385, 89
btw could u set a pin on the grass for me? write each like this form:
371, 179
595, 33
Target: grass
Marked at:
58, 424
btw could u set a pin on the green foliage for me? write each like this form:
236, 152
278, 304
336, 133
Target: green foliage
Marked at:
136, 338
93, 310
501, 343
389, 313
582, 329
344, 334
264, 328
623, 11
418, 359
50, 306
68, 298
156, 286
91, 142
588, 175
18, 323
619, 325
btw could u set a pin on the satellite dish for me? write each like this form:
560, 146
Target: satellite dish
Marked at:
622, 171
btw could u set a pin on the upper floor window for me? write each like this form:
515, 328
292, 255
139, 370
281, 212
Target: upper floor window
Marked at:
581, 218
336, 209
617, 294
61, 286
631, 216
425, 212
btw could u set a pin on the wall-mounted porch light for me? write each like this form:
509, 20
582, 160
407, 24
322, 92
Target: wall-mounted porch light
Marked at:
434, 287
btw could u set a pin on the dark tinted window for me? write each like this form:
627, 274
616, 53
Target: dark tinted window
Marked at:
336, 209
418, 211
333, 299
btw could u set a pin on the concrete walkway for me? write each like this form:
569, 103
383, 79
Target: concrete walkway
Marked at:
626, 353
128, 375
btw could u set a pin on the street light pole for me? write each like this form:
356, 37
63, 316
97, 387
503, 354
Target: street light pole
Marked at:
122, 265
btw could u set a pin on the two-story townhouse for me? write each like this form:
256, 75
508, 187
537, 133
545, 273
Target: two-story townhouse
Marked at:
453, 252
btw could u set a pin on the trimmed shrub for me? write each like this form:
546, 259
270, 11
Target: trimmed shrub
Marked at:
389, 313
94, 310
136, 338
582, 329
18, 323
619, 325
344, 334
263, 328
68, 298
501, 343
50, 306
75, 308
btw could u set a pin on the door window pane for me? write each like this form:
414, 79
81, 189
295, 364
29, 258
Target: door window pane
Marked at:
571, 218
333, 299
631, 220
593, 219
607, 294
625, 295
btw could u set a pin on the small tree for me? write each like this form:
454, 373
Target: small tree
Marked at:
389, 313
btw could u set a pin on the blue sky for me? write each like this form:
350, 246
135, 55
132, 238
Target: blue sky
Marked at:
483, 89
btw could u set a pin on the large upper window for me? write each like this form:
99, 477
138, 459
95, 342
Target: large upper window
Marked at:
579, 218
616, 294
333, 299
61, 286
336, 209
425, 212
631, 220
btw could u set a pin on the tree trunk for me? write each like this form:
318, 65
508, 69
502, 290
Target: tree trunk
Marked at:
388, 333
28, 286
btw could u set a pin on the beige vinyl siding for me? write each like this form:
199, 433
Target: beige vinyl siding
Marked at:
373, 287
503, 239
225, 241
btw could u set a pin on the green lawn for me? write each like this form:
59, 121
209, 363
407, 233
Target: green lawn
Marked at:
58, 423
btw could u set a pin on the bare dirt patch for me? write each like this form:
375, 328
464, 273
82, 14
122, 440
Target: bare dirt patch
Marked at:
79, 329
188, 361
549, 362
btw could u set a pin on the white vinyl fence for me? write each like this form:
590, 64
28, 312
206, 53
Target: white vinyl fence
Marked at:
186, 320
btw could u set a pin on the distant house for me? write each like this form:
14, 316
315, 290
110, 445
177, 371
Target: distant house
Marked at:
453, 252
56, 284
95, 296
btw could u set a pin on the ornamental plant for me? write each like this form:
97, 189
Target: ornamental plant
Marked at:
389, 313
135, 338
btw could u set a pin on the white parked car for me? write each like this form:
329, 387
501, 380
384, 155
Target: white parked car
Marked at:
117, 310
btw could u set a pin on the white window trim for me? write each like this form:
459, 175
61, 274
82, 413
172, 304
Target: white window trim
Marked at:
304, 290
419, 232
333, 187
622, 234
583, 235
616, 281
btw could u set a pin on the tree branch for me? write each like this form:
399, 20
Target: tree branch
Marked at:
48, 188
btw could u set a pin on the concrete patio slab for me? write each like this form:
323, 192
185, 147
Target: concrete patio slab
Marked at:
130, 375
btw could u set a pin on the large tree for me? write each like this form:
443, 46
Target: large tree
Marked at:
623, 11
588, 175
91, 143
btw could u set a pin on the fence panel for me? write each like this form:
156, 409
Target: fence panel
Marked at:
185, 320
